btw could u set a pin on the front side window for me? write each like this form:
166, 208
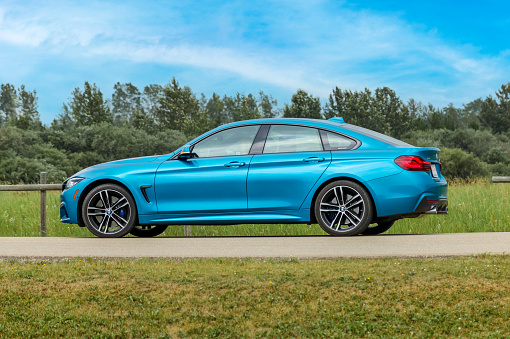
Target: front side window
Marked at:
233, 141
285, 139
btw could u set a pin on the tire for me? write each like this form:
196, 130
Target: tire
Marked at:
109, 211
145, 231
343, 208
381, 227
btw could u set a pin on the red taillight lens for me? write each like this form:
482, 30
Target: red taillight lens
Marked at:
412, 163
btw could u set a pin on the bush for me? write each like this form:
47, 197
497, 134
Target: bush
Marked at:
460, 164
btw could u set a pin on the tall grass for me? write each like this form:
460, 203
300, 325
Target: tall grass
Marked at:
474, 206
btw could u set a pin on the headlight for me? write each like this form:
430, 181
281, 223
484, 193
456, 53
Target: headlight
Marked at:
73, 181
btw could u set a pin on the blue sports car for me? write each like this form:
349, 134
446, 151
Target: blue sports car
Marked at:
348, 179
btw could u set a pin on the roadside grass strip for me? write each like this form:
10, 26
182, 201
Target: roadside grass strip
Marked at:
474, 206
248, 298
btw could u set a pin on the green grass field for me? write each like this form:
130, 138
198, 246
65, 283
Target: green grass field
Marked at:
477, 206
231, 298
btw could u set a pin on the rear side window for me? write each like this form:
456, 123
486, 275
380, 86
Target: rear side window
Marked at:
286, 139
336, 142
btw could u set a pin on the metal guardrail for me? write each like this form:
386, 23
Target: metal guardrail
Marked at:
43, 187
500, 179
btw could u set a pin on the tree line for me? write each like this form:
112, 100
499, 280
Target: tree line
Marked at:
89, 129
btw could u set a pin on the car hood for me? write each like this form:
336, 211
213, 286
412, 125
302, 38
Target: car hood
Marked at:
124, 162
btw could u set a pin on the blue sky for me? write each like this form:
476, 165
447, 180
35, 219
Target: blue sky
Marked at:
433, 51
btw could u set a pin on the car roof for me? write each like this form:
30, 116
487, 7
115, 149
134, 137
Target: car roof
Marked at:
344, 128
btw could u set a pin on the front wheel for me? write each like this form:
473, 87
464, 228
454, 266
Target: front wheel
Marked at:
379, 228
343, 208
148, 231
109, 211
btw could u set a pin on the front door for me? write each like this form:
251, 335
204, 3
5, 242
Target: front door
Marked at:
214, 180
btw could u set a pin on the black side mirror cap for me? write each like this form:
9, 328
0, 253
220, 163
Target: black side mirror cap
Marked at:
185, 153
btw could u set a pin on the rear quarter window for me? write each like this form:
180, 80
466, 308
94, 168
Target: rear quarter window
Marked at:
336, 142
376, 135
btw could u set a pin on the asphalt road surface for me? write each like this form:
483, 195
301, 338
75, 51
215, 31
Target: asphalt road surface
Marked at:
426, 245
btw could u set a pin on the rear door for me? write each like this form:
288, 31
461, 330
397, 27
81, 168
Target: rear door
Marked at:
291, 162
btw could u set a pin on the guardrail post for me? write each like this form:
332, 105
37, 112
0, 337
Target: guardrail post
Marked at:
43, 205
187, 230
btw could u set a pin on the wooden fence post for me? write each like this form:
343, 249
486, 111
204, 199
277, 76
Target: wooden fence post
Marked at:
187, 230
43, 205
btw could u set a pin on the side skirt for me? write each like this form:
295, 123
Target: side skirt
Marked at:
301, 216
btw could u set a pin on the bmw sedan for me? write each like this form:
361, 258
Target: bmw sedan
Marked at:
348, 179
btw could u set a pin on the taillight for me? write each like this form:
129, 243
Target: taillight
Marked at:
412, 163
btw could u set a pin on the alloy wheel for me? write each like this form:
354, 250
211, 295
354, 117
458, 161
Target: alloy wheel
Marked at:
343, 208
108, 212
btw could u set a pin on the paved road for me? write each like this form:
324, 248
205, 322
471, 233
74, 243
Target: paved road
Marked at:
426, 245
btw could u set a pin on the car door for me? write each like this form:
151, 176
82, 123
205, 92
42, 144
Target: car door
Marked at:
291, 162
213, 180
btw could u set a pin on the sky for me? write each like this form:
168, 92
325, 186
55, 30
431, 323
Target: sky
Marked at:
436, 52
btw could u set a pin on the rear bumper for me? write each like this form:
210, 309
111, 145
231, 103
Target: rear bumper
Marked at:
439, 206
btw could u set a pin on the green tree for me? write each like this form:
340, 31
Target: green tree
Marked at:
452, 117
8, 103
418, 121
395, 113
178, 109
29, 116
64, 120
126, 99
303, 105
357, 108
241, 107
471, 114
150, 99
496, 112
215, 108
435, 117
267, 105
142, 120
88, 107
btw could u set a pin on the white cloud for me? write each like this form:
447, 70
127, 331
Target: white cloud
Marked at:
300, 45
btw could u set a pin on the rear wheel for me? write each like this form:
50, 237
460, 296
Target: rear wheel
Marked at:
109, 211
381, 227
148, 231
343, 208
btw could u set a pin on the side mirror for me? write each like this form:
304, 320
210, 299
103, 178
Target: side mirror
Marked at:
185, 153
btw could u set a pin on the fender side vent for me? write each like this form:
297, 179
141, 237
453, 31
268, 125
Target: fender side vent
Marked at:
143, 188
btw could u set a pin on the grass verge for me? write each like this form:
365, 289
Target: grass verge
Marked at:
476, 206
461, 297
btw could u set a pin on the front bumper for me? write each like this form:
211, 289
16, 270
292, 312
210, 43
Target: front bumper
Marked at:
69, 199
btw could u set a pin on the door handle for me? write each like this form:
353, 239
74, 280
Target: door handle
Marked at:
234, 164
313, 159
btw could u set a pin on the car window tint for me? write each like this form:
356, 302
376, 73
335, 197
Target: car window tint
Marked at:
284, 139
233, 141
336, 142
